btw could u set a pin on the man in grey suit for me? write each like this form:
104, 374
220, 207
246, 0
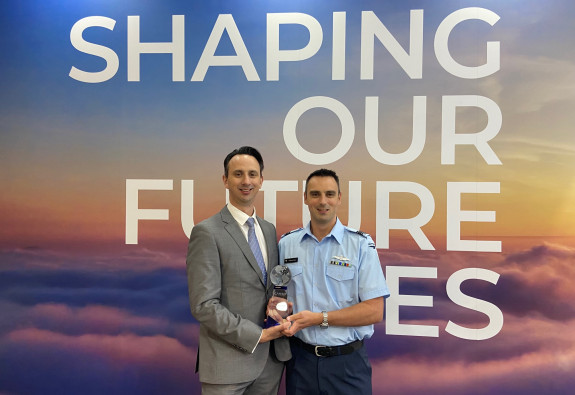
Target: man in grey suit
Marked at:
229, 290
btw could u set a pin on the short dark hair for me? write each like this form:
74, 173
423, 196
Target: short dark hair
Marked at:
245, 150
322, 173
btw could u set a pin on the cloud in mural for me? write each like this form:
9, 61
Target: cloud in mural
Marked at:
86, 325
513, 362
65, 364
69, 325
151, 290
517, 374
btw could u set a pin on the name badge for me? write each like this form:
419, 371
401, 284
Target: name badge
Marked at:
290, 260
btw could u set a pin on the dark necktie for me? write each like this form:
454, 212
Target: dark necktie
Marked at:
255, 246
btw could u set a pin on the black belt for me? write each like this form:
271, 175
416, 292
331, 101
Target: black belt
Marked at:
328, 351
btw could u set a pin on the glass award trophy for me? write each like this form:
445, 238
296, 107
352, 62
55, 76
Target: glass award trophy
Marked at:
280, 277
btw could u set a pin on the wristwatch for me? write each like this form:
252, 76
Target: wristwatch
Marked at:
324, 324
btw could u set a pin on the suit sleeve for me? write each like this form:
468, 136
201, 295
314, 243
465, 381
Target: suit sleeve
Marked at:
204, 272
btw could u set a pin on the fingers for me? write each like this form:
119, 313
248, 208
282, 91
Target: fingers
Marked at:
274, 332
300, 321
295, 324
281, 328
287, 332
294, 317
292, 330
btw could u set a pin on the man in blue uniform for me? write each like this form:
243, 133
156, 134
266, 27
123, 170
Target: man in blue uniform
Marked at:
337, 290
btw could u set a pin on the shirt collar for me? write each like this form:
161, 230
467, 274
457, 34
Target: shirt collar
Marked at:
337, 231
239, 215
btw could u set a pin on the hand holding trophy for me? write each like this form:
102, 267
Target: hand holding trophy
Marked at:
278, 306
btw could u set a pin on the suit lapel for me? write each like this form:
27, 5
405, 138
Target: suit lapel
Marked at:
233, 228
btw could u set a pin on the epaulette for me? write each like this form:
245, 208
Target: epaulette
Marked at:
359, 232
362, 234
290, 232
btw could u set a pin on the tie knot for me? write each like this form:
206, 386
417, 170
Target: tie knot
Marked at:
250, 222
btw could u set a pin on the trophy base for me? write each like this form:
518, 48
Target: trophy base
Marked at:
270, 322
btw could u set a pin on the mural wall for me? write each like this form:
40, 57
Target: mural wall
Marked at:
450, 124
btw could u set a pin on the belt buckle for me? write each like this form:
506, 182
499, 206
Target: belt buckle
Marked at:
316, 353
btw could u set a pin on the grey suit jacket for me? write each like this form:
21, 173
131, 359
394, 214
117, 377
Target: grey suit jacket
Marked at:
228, 298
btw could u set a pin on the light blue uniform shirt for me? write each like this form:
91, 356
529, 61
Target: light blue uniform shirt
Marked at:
340, 271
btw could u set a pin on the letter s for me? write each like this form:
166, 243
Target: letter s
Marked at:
454, 292
111, 58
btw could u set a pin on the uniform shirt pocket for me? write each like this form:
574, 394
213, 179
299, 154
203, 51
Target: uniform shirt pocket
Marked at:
340, 281
294, 269
340, 273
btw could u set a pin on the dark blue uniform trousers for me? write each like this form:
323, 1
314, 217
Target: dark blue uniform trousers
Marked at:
308, 374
